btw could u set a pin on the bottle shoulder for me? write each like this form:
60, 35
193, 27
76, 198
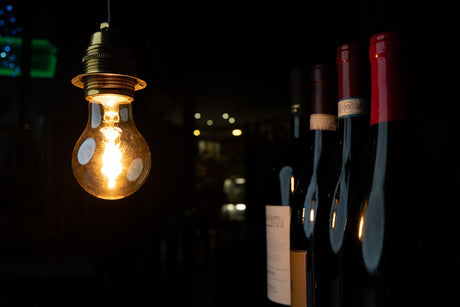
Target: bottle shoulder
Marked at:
386, 205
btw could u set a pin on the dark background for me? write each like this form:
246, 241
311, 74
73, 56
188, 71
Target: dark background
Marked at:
171, 242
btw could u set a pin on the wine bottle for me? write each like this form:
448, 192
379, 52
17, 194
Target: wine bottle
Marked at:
353, 131
323, 125
380, 252
284, 170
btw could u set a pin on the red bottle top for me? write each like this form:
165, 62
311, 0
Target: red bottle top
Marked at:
323, 100
387, 91
323, 106
349, 71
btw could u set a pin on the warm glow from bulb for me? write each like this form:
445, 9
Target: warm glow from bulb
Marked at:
240, 207
112, 156
292, 183
111, 159
240, 180
196, 132
237, 132
110, 100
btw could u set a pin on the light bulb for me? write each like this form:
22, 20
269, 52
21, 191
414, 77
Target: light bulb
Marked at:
111, 159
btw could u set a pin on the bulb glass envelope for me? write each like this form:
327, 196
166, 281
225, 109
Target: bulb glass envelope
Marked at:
111, 159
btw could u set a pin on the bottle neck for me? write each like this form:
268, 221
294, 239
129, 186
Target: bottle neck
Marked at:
297, 86
353, 109
297, 126
322, 148
379, 139
323, 128
392, 141
353, 136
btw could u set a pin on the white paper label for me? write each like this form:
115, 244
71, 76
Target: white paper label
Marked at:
278, 254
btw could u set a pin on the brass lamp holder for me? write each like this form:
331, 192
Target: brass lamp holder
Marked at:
107, 67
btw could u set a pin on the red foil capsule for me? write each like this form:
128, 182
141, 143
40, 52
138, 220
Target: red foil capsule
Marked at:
323, 100
348, 71
387, 80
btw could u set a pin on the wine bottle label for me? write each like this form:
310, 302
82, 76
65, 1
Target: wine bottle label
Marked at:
278, 264
323, 122
298, 278
352, 107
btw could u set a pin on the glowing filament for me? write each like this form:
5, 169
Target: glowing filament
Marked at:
292, 184
111, 158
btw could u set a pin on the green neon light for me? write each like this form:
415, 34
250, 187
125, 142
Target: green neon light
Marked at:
43, 60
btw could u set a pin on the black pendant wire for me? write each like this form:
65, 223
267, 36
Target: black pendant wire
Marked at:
108, 11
